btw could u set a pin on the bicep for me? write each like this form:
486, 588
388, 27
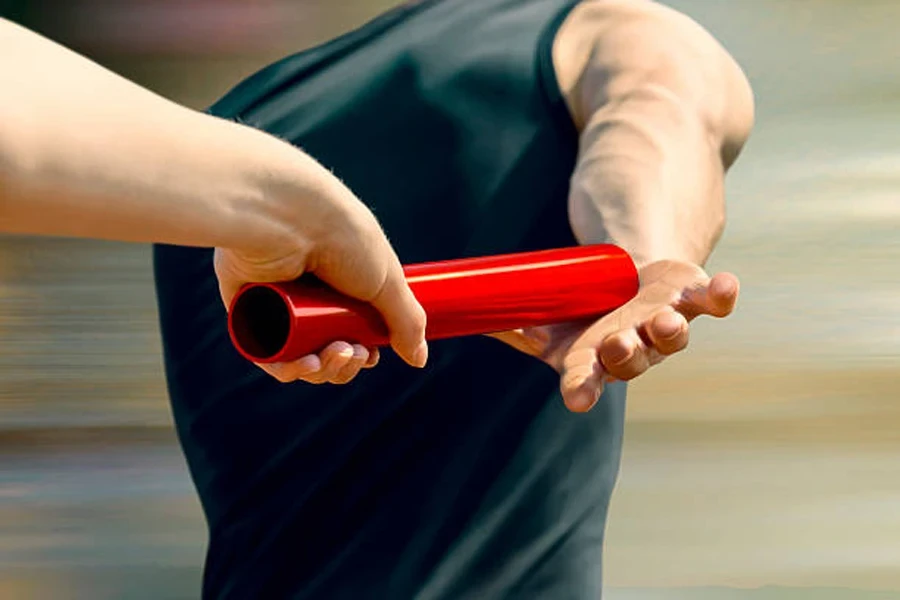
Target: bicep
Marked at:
610, 50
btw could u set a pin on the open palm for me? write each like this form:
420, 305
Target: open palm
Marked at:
628, 341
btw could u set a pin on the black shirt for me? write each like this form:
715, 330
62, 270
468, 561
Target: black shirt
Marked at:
468, 479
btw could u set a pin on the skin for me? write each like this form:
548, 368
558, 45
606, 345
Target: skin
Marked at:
86, 153
663, 111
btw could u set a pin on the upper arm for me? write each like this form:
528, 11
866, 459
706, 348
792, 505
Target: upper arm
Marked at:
612, 52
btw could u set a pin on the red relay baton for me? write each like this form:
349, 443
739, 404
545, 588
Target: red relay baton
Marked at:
280, 322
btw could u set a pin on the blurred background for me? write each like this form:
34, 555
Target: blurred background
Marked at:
765, 463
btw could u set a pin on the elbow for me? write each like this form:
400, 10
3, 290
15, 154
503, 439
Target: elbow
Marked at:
662, 48
740, 117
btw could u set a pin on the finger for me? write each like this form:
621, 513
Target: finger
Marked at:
512, 337
624, 355
724, 289
314, 369
404, 317
334, 357
716, 298
668, 332
374, 357
292, 371
531, 343
581, 382
350, 370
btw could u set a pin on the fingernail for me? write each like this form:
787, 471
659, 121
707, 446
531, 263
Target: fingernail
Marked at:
420, 357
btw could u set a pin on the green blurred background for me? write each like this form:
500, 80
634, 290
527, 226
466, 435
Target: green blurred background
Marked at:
764, 463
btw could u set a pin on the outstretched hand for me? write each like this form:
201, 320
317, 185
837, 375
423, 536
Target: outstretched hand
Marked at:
627, 342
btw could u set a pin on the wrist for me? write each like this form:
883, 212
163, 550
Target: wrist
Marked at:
643, 260
650, 249
276, 202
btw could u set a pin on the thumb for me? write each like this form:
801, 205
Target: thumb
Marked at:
404, 316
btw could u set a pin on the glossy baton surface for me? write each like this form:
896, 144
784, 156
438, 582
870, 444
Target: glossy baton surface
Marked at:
277, 322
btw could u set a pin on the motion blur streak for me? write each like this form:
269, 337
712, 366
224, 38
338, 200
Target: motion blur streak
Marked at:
768, 455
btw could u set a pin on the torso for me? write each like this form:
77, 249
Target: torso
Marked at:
469, 479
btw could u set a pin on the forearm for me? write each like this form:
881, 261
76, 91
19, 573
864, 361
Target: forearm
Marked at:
86, 153
650, 180
663, 111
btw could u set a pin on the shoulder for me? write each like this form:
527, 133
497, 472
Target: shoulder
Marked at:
605, 48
